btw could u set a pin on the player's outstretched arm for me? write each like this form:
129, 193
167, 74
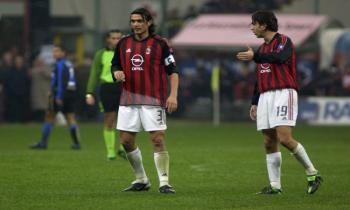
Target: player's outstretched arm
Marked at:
283, 52
247, 55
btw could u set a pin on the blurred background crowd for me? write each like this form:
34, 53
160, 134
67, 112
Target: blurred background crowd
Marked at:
28, 28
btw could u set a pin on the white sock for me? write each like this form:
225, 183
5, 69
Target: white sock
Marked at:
274, 162
301, 155
135, 159
161, 160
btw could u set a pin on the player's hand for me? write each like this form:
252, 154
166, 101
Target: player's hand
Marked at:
90, 99
247, 55
252, 112
119, 76
171, 104
59, 102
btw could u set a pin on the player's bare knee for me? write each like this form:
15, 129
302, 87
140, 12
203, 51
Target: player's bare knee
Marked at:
289, 143
268, 142
71, 121
50, 116
128, 145
285, 138
109, 124
158, 143
109, 120
128, 141
271, 145
70, 117
157, 139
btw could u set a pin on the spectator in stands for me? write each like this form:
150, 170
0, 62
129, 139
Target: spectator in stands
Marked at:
244, 84
17, 85
40, 87
5, 67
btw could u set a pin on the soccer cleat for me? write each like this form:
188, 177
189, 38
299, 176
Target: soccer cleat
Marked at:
269, 190
137, 186
167, 189
111, 157
313, 183
75, 147
121, 153
39, 145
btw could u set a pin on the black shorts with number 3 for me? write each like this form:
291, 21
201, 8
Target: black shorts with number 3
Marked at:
109, 96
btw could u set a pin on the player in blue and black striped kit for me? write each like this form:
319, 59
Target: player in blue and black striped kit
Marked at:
62, 98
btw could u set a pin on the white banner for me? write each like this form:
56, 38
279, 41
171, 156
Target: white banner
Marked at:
325, 110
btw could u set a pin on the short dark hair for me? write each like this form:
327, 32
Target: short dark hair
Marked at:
146, 15
265, 18
108, 33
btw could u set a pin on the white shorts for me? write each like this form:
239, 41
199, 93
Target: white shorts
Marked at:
276, 108
151, 118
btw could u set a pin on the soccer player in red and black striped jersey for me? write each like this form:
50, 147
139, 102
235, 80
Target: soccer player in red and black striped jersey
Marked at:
275, 100
144, 62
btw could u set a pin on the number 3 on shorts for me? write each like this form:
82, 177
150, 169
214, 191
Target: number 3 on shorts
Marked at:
160, 116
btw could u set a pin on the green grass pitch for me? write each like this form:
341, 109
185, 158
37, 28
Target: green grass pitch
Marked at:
211, 168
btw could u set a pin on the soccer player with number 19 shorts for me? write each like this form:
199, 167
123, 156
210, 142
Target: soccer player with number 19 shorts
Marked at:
144, 62
275, 100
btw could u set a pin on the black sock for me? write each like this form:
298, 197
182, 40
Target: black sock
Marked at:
74, 133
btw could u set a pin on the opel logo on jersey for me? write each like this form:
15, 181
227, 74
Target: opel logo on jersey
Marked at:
265, 68
137, 60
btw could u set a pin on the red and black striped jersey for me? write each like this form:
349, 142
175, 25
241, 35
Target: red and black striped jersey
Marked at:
275, 66
146, 65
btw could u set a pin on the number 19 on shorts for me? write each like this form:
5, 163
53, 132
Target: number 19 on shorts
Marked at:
282, 111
